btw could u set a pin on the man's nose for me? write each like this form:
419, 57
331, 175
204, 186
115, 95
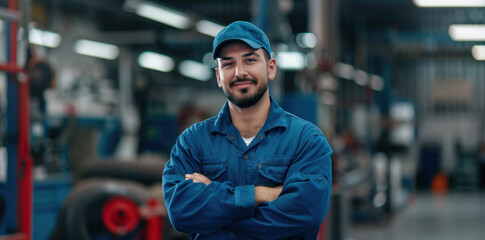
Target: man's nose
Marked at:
240, 70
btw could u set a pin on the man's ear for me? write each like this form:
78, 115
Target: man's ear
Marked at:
272, 69
219, 83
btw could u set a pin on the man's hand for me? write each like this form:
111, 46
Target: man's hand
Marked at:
197, 177
266, 194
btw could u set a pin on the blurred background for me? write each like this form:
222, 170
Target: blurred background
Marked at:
93, 95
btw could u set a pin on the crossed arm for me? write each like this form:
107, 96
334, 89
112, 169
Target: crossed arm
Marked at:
261, 193
223, 208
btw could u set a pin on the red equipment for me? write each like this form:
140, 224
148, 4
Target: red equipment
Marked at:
24, 167
120, 215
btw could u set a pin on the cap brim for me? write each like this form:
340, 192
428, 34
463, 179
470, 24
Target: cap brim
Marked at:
250, 43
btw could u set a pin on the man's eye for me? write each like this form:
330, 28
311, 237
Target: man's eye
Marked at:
226, 64
251, 60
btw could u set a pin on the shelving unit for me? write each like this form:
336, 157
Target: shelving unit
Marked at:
17, 189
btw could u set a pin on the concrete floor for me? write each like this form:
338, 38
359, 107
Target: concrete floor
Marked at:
432, 217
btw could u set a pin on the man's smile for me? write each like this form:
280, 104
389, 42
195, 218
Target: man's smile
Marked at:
243, 83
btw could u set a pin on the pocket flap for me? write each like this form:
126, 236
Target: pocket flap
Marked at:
213, 168
274, 169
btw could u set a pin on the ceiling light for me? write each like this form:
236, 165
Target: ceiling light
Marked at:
44, 38
376, 82
159, 13
311, 60
291, 60
402, 111
195, 70
306, 40
467, 32
208, 60
344, 70
208, 28
361, 78
156, 61
478, 52
449, 3
96, 49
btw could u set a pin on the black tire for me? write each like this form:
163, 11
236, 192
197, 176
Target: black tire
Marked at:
89, 194
144, 172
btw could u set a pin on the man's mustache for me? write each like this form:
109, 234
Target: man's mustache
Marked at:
252, 80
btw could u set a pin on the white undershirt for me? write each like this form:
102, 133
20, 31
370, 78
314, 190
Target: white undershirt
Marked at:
248, 140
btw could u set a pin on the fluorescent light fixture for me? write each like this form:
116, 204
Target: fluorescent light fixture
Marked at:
311, 60
361, 78
467, 32
208, 60
208, 28
156, 61
449, 3
403, 111
291, 60
96, 49
3, 164
379, 200
195, 70
44, 38
376, 83
344, 70
306, 40
162, 14
478, 52
2, 26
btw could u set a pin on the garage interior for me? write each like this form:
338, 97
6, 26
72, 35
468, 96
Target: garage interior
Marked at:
93, 95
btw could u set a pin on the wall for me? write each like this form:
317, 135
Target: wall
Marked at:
442, 121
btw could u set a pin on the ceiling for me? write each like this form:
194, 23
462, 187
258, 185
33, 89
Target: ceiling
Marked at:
397, 21
377, 26
110, 17
405, 28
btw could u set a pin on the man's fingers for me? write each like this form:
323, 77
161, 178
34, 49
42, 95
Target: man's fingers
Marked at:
197, 177
190, 176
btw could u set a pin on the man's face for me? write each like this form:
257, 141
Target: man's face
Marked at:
243, 73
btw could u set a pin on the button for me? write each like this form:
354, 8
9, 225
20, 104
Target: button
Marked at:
231, 137
260, 136
246, 156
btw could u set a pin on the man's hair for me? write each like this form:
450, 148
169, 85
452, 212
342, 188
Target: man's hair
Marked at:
266, 56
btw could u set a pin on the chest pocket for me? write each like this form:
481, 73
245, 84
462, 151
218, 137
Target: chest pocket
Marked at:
272, 171
215, 169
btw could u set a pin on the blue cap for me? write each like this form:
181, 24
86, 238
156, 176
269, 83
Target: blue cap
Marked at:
242, 31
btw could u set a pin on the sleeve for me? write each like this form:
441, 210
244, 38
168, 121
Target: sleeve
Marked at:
304, 200
196, 207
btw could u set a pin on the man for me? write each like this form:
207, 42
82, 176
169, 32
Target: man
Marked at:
254, 171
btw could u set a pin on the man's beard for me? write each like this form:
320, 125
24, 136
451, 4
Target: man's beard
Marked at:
246, 101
